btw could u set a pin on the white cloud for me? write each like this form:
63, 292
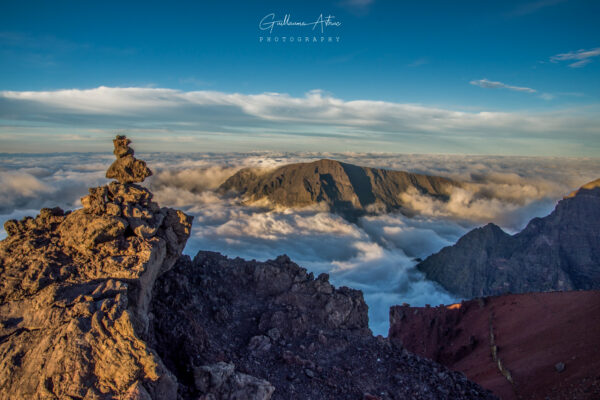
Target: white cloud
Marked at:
181, 120
418, 62
484, 83
547, 96
582, 56
375, 255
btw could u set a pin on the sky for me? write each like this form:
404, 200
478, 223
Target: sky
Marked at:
465, 77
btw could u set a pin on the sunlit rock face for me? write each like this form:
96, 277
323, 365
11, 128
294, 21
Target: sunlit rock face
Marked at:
557, 252
75, 291
127, 168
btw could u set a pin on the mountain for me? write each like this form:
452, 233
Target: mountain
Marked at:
558, 252
524, 346
347, 189
99, 303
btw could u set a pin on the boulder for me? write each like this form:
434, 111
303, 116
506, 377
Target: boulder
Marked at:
220, 381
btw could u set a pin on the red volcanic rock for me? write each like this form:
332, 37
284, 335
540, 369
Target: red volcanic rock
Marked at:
526, 346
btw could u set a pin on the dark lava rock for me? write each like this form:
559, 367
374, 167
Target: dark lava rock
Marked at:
277, 323
557, 252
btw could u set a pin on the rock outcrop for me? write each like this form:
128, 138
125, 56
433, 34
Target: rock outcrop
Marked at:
557, 252
525, 346
75, 292
286, 329
347, 189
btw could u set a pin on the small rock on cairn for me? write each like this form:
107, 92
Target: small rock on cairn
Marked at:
127, 169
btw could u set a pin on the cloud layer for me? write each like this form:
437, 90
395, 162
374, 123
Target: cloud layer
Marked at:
178, 120
375, 255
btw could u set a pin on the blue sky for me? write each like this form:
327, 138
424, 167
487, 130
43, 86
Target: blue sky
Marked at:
534, 66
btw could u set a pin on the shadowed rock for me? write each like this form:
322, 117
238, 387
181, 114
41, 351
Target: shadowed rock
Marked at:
558, 252
126, 169
223, 319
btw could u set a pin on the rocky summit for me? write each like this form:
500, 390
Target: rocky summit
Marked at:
558, 252
98, 303
75, 292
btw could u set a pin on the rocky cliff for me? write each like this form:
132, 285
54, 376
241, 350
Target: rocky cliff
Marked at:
347, 189
557, 252
98, 303
526, 346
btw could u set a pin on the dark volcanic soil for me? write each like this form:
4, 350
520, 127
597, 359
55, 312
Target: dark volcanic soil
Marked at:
533, 333
276, 322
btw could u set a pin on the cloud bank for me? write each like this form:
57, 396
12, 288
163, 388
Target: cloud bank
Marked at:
376, 255
176, 120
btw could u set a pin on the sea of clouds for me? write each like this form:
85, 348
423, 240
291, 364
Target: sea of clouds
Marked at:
376, 255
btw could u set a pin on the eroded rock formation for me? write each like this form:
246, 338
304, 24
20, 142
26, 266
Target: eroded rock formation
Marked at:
75, 291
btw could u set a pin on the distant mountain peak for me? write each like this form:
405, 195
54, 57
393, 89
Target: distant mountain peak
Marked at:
347, 189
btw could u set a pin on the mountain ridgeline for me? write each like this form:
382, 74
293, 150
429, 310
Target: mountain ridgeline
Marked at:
558, 252
347, 189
